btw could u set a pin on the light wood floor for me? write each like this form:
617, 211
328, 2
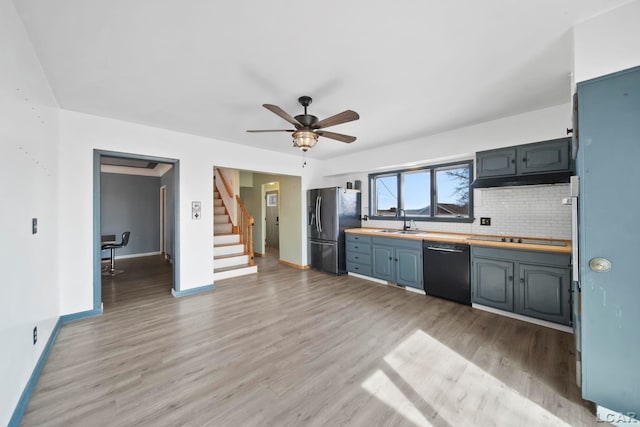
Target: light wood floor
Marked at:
289, 347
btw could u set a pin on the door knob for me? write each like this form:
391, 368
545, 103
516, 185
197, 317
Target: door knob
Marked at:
599, 265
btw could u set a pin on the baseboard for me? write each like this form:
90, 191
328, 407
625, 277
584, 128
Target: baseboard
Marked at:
528, 319
290, 264
138, 255
80, 315
258, 254
23, 402
199, 289
369, 278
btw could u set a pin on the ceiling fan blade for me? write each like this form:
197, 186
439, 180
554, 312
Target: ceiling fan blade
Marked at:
336, 136
280, 112
344, 117
270, 130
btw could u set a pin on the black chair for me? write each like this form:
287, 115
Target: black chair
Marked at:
112, 247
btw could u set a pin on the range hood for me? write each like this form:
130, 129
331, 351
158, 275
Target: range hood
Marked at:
520, 180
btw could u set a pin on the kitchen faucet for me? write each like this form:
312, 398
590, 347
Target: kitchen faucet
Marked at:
404, 217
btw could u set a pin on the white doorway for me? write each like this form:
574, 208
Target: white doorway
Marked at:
271, 217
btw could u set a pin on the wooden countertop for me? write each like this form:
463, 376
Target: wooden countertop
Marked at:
465, 239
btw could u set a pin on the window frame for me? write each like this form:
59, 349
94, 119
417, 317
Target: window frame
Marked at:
433, 197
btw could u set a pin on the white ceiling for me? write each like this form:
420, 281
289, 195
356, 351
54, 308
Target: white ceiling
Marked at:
408, 67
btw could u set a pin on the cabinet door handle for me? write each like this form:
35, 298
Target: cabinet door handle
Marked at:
513, 160
356, 257
390, 258
524, 159
396, 259
522, 280
510, 278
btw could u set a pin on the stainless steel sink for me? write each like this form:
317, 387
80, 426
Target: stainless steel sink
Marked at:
391, 231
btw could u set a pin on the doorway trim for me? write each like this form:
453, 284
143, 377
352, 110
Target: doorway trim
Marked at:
97, 278
163, 218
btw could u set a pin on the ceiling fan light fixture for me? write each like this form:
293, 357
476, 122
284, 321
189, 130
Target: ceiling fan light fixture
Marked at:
304, 139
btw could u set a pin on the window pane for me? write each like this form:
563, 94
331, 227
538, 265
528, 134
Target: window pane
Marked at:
417, 193
452, 192
386, 194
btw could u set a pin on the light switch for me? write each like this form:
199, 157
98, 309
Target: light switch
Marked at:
34, 225
196, 210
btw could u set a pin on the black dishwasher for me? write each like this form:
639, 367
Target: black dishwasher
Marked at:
446, 271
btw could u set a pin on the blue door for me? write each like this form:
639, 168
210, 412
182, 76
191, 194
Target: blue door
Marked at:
608, 165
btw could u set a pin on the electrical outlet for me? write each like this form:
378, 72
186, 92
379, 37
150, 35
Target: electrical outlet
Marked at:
35, 335
485, 221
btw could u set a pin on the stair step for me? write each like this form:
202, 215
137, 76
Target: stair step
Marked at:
229, 261
222, 228
227, 273
217, 202
216, 195
225, 238
221, 219
233, 249
219, 210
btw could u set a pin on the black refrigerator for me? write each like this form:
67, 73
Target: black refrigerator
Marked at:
330, 211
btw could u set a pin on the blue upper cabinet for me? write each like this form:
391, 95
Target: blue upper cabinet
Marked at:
549, 156
537, 158
501, 162
609, 149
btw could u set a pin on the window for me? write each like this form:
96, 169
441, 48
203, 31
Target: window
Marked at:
386, 194
436, 193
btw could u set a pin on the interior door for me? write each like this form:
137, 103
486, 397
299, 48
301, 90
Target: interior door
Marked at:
273, 219
609, 109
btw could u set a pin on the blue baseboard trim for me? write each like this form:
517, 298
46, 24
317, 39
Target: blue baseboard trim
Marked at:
192, 291
18, 413
80, 315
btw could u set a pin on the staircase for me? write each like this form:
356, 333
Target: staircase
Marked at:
229, 257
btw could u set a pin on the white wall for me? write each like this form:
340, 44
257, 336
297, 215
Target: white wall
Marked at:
533, 211
548, 123
28, 144
607, 43
82, 133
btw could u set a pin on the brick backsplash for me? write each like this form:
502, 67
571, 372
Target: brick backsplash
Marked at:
532, 211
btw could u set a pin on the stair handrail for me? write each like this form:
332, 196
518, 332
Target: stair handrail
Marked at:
245, 228
227, 196
227, 187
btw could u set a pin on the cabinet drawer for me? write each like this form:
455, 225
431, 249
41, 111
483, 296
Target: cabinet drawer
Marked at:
358, 238
363, 248
363, 258
355, 267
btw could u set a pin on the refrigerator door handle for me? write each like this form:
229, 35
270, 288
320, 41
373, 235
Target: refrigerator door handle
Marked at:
315, 215
318, 214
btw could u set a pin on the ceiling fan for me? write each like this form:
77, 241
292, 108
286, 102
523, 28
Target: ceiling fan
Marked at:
308, 128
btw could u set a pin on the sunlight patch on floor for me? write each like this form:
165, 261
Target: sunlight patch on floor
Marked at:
446, 383
383, 388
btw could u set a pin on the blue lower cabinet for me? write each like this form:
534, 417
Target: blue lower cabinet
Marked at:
493, 283
543, 292
383, 263
409, 267
393, 260
534, 284
397, 261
